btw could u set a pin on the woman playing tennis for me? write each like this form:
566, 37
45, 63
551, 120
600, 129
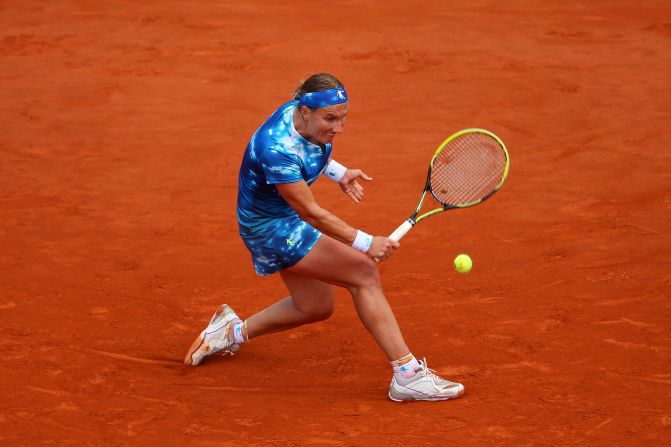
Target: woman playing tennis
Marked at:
313, 250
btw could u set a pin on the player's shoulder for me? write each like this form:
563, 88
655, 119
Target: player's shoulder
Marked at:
281, 118
277, 125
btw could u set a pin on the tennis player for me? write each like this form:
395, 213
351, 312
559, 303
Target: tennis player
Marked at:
287, 232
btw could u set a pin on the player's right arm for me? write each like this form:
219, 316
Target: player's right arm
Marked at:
299, 196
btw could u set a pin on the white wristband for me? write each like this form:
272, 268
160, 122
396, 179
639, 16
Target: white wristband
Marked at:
362, 241
334, 170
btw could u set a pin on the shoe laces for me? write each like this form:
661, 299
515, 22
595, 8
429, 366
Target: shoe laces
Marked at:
425, 371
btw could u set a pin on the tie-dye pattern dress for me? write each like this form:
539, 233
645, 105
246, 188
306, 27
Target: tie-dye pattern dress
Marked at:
272, 231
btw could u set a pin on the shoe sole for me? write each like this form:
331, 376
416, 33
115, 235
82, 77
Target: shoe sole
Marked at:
195, 346
429, 399
200, 340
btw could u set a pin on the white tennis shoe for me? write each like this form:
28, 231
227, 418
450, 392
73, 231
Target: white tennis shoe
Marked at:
424, 385
216, 338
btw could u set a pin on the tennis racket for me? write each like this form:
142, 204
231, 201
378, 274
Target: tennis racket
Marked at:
467, 168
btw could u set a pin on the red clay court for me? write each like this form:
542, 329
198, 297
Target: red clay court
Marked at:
123, 126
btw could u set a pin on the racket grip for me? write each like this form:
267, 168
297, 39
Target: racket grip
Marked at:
402, 230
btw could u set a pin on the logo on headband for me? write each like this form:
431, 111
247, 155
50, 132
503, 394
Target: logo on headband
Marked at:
340, 94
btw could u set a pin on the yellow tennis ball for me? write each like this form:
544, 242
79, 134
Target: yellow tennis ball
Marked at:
463, 263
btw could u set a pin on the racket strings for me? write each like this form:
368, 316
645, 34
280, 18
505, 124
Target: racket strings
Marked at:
468, 168
470, 173
466, 174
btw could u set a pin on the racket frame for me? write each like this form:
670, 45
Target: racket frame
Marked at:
413, 219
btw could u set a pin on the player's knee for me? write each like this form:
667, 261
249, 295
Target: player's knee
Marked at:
367, 274
318, 312
318, 309
322, 313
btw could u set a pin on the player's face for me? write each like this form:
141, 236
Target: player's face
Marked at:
325, 123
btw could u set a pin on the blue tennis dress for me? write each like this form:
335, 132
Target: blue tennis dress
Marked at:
272, 231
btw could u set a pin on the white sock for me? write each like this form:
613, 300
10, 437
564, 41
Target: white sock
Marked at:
405, 367
237, 333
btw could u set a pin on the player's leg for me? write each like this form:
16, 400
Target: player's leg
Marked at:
332, 262
310, 300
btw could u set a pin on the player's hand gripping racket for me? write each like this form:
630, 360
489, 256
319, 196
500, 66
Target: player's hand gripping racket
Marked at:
467, 168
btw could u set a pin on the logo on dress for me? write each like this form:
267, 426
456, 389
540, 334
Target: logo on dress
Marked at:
290, 243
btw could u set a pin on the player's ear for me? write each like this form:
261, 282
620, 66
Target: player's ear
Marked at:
305, 112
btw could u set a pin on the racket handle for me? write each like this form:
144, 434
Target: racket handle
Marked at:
402, 230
